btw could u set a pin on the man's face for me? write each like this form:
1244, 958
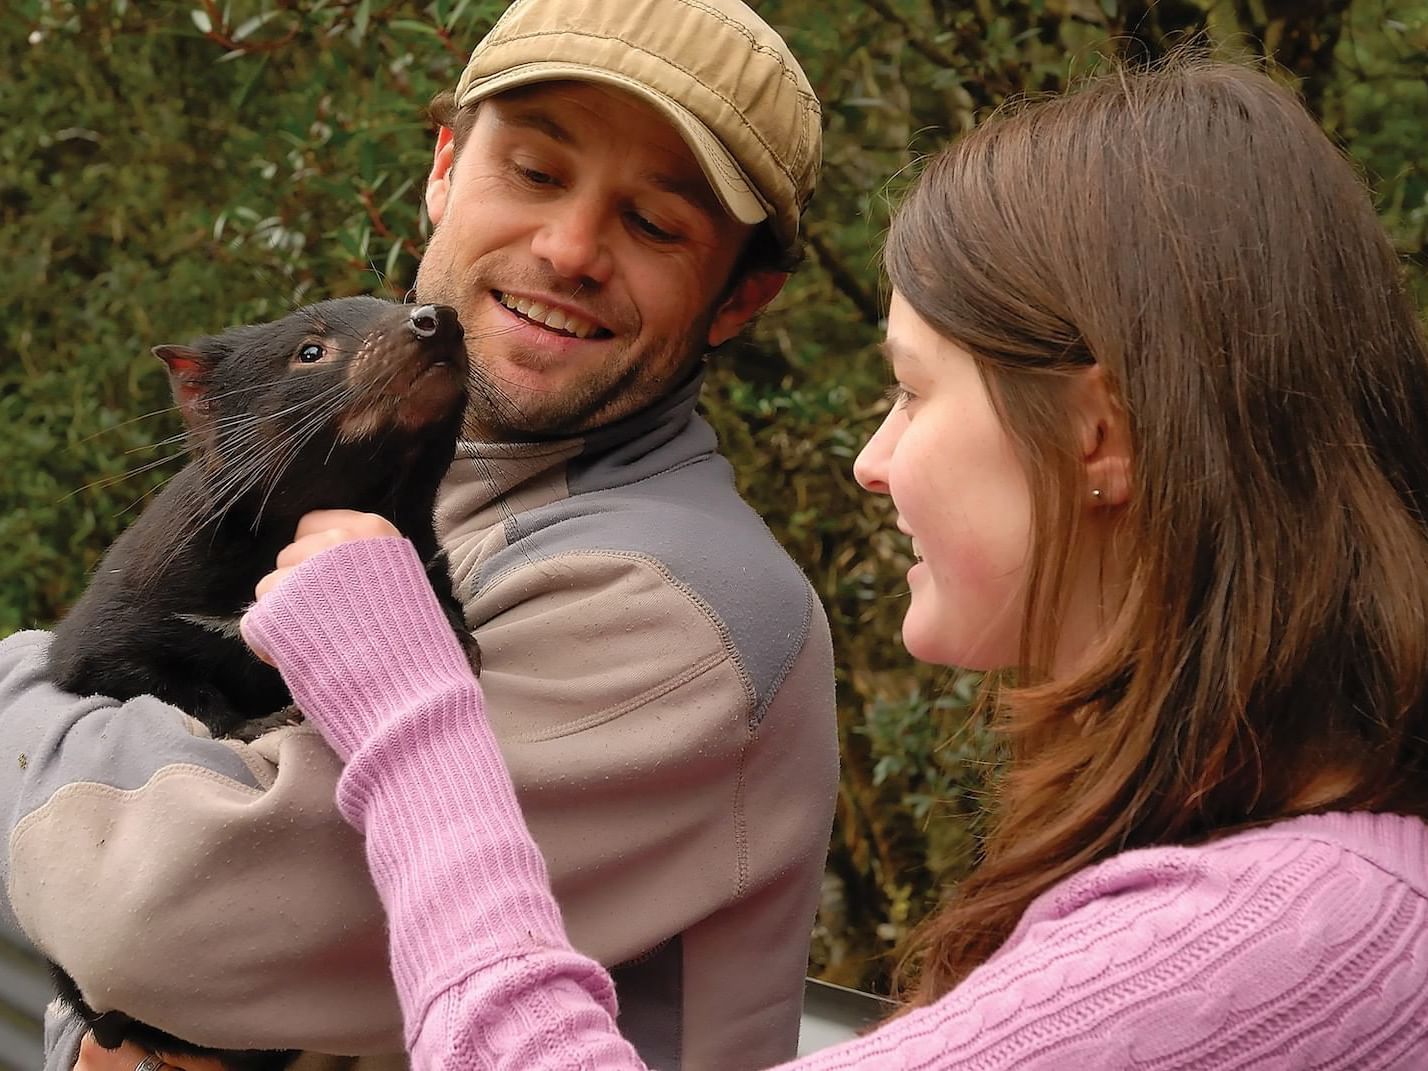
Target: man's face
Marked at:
587, 257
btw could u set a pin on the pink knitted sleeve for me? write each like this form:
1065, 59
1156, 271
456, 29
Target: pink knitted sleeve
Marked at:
373, 663
1275, 952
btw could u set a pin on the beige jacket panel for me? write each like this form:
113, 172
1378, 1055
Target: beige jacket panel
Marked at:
788, 785
632, 720
258, 900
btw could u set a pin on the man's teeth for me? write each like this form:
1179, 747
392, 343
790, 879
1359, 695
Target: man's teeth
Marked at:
552, 318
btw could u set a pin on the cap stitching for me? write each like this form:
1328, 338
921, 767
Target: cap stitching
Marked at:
784, 168
787, 73
757, 46
808, 100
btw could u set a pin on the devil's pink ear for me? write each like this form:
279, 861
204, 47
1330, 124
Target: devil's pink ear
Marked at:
190, 373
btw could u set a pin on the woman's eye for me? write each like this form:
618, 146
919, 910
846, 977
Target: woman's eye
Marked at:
899, 395
310, 353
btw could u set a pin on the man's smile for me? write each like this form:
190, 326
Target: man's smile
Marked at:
560, 320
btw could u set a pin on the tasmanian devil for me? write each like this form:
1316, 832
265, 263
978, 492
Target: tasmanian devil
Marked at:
354, 403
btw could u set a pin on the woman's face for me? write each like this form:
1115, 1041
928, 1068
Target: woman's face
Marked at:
961, 494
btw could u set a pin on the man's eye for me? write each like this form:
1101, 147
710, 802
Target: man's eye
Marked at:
535, 177
310, 353
652, 231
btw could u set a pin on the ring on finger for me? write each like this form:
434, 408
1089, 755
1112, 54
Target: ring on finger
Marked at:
150, 1062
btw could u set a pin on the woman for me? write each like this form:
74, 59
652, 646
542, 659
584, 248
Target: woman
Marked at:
1159, 444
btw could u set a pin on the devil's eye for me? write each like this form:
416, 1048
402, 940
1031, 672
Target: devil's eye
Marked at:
310, 353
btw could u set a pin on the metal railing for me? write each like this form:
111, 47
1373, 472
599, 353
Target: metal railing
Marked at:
833, 1014
24, 992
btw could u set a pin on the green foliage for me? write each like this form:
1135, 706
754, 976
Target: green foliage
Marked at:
168, 171
1377, 111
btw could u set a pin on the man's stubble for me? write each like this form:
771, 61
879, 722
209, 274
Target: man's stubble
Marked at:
499, 411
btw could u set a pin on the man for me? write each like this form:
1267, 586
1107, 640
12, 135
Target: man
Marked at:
614, 189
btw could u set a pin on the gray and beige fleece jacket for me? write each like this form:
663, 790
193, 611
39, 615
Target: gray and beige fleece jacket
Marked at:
659, 674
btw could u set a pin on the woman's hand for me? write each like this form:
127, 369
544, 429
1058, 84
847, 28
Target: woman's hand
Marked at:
321, 530
318, 531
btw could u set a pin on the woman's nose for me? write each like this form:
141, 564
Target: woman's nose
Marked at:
870, 468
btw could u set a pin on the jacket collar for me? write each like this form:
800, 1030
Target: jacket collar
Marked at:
658, 437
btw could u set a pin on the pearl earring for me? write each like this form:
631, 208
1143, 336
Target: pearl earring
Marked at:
1096, 493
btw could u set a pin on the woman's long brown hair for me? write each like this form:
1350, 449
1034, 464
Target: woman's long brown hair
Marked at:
1193, 232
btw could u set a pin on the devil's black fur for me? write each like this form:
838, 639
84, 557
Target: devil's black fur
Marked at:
354, 403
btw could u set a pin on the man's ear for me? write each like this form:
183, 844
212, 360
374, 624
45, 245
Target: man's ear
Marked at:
438, 181
1105, 439
755, 290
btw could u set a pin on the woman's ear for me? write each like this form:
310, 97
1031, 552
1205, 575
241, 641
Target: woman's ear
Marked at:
1104, 438
438, 181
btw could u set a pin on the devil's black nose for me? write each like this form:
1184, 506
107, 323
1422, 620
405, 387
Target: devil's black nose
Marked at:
435, 321
426, 320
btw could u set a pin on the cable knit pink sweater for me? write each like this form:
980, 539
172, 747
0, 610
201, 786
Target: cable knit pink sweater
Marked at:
1300, 945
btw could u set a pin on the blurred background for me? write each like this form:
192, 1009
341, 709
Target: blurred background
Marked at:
168, 169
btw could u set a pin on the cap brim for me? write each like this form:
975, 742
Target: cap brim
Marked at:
731, 186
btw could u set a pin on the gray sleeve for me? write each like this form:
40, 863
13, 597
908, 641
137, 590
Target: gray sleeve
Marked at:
206, 887
64, 1030
50, 739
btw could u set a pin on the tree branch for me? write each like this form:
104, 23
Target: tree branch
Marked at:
868, 306
919, 42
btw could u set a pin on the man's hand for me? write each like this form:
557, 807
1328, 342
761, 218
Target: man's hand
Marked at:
129, 1057
318, 531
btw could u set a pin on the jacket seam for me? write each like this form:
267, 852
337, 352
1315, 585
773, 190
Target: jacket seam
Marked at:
99, 790
726, 640
701, 458
794, 654
515, 532
263, 771
619, 710
741, 830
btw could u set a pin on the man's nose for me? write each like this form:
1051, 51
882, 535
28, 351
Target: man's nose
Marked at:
572, 240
